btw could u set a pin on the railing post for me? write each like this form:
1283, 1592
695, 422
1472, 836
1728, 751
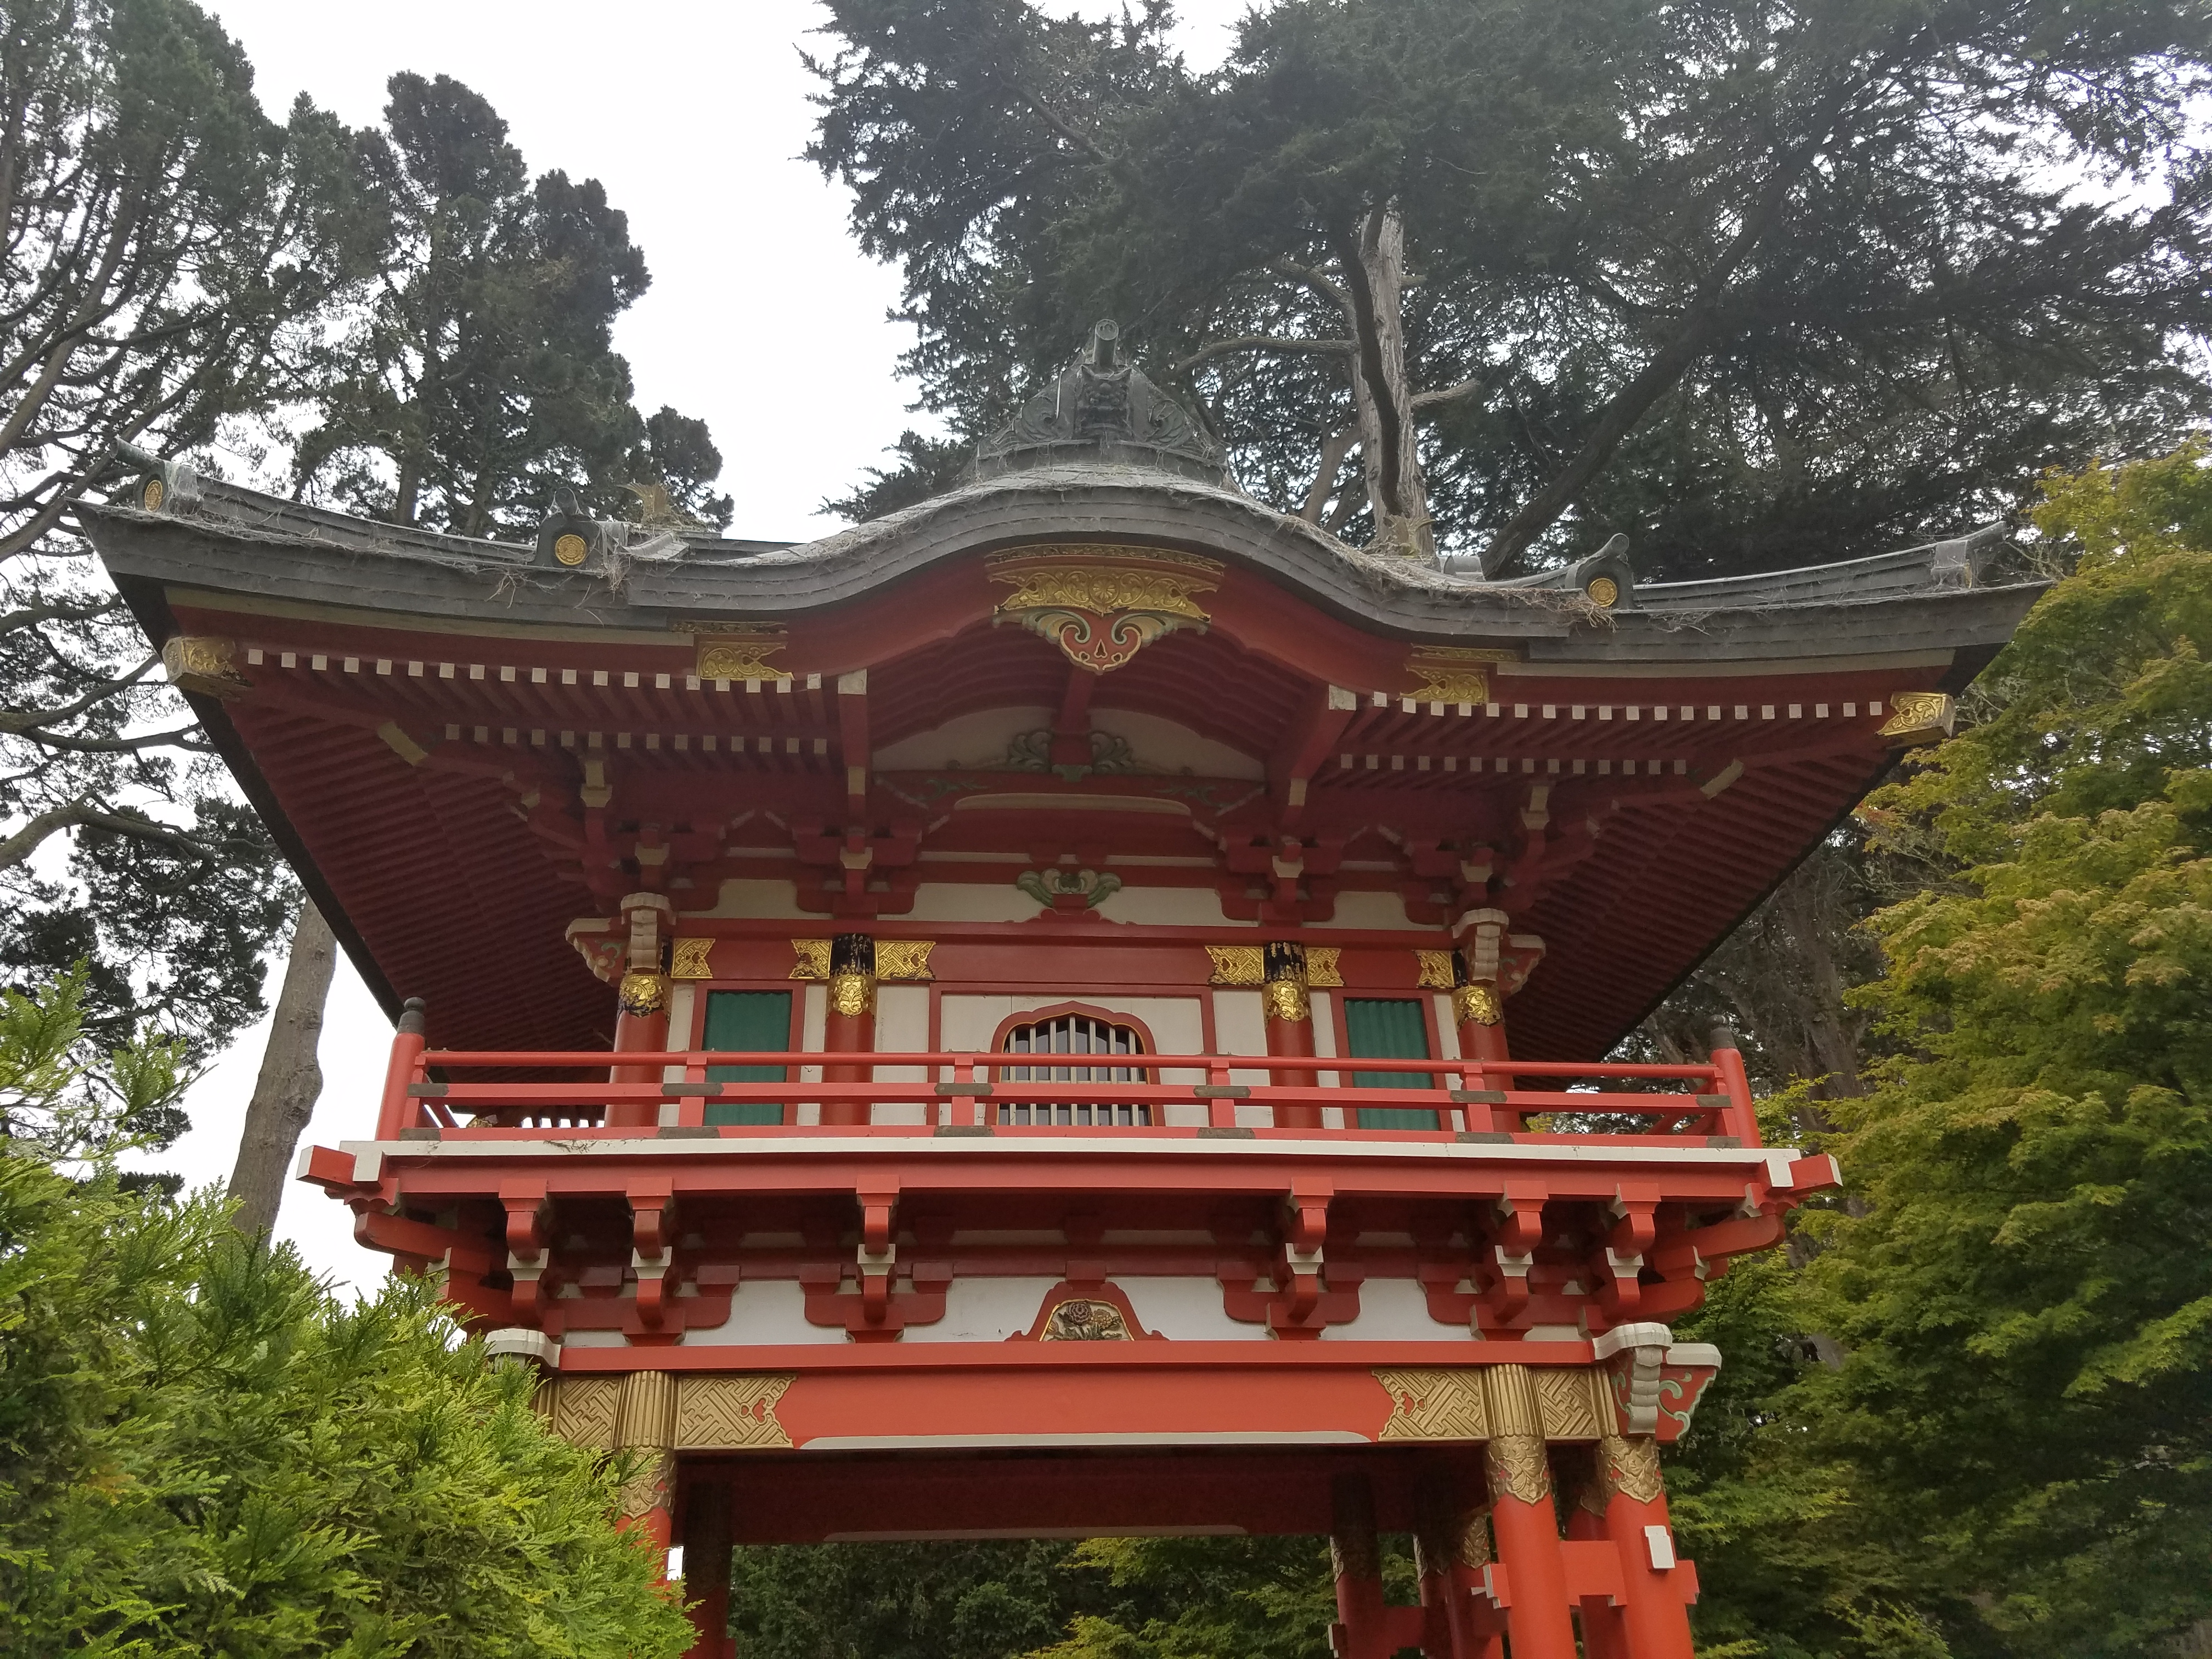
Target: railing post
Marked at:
1740, 1117
398, 1110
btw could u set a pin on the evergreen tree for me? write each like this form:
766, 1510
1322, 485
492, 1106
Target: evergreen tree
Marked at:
168, 251
1758, 285
2022, 1292
201, 1452
481, 375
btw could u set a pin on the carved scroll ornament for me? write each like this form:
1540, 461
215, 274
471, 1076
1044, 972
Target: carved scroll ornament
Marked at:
1102, 614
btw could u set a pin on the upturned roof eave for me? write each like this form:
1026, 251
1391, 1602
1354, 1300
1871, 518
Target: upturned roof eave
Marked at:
259, 546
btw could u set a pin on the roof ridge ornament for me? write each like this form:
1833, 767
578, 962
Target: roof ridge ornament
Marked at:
1103, 409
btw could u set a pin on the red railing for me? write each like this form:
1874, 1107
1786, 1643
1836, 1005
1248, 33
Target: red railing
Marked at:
966, 1090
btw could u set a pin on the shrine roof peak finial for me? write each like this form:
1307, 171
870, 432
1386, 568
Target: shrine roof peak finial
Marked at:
1102, 408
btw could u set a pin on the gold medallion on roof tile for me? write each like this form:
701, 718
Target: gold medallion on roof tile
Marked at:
813, 958
1604, 592
570, 549
150, 497
692, 958
1434, 973
731, 1412
1439, 1404
1322, 968
903, 959
1238, 964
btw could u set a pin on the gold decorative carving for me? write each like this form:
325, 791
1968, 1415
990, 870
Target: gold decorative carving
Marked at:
1518, 1467
1563, 1395
642, 995
583, 1411
570, 549
1478, 1004
1509, 1393
1238, 964
1434, 1405
647, 1412
150, 497
1102, 614
851, 994
813, 958
740, 651
1355, 1555
692, 959
1629, 1466
1082, 1321
903, 959
1461, 1539
731, 1412
1604, 592
1921, 717
1286, 999
1474, 1546
1436, 971
1447, 673
1321, 965
202, 664
645, 1491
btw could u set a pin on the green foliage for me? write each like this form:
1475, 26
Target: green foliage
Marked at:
481, 374
1106, 1598
2022, 1292
1757, 284
202, 1452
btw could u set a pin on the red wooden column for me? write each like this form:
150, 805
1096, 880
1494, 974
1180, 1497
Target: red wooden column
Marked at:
1605, 1632
1522, 1517
1362, 1630
1451, 1549
1289, 1009
642, 1007
849, 1025
1655, 1616
1481, 1014
645, 1424
706, 1519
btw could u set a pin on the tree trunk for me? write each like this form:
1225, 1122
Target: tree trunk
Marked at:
1374, 266
284, 1094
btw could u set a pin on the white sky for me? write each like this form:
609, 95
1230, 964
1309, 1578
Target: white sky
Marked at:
763, 319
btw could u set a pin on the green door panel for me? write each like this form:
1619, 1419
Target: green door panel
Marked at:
747, 1022
1389, 1028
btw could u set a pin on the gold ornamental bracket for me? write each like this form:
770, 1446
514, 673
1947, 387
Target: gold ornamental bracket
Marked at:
692, 958
205, 665
1101, 604
895, 959
1447, 673
1920, 717
738, 651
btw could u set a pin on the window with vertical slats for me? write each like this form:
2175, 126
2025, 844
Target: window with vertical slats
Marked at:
1085, 1048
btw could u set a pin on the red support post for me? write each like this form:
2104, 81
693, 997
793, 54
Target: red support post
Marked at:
706, 1541
849, 1024
1740, 1117
640, 1027
398, 1110
1522, 1516
1655, 1616
1288, 1009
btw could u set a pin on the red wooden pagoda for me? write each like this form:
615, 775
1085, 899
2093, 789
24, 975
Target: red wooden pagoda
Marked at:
1075, 1008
